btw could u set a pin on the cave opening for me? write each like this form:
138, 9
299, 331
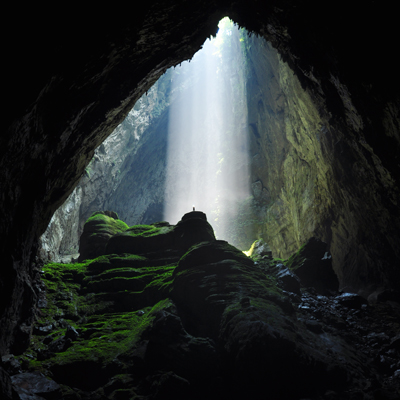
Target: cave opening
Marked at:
186, 141
117, 328
207, 151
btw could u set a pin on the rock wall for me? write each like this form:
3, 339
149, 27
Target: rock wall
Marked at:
313, 173
103, 174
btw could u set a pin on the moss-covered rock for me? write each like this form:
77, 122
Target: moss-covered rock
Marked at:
142, 239
199, 322
211, 252
98, 229
191, 229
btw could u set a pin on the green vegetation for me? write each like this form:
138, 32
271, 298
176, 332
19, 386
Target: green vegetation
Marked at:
106, 224
149, 230
97, 298
294, 258
101, 316
108, 336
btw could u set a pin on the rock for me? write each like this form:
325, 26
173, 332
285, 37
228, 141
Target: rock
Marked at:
193, 228
314, 268
210, 252
59, 345
43, 330
7, 391
142, 239
33, 385
289, 281
71, 333
351, 300
261, 249
98, 229
207, 320
10, 364
165, 384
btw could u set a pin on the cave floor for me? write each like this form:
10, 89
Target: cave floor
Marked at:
117, 328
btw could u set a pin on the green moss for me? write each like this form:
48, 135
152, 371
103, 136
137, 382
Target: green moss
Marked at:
295, 258
107, 336
211, 252
149, 230
163, 280
99, 223
62, 282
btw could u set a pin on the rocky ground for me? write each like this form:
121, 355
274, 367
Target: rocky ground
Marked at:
168, 312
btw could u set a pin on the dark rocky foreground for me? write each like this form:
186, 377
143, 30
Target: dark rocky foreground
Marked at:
168, 312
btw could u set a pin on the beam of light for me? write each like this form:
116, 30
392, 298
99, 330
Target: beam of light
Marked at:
207, 155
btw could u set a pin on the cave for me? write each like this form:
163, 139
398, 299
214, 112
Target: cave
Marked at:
73, 77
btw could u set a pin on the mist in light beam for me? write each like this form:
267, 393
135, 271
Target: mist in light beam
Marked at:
207, 156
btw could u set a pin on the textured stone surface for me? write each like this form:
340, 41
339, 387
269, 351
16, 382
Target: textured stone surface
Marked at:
35, 386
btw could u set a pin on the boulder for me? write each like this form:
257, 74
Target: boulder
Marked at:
140, 239
288, 280
33, 385
191, 229
98, 229
351, 300
211, 252
261, 249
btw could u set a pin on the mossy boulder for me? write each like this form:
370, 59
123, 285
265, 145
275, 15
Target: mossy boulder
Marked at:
98, 229
161, 236
207, 280
211, 252
141, 239
191, 229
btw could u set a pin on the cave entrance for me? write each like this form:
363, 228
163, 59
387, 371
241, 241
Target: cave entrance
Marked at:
184, 144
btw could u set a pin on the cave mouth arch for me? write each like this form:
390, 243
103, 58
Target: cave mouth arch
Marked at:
55, 109
198, 111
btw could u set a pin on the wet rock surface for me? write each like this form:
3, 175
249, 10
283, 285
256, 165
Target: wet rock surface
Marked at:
203, 322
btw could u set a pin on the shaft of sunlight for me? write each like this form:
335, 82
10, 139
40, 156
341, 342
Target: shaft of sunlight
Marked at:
207, 156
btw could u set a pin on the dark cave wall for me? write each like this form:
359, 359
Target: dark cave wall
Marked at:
71, 83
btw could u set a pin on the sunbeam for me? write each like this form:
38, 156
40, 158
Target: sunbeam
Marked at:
207, 157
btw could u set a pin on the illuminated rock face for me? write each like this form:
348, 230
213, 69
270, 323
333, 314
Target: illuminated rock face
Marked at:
83, 81
317, 175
